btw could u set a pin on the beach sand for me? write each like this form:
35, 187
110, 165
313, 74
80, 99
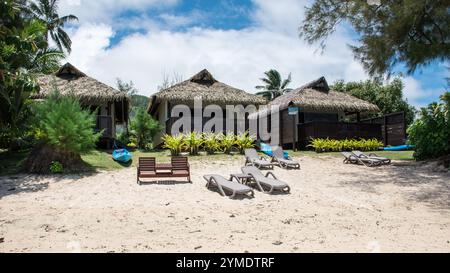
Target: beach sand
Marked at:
332, 207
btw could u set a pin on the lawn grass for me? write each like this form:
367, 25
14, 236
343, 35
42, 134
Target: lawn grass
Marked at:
394, 155
10, 162
102, 160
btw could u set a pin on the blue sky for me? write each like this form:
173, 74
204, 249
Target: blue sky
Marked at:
227, 14
147, 40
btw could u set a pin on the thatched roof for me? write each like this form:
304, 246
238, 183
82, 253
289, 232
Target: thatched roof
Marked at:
70, 80
316, 96
209, 89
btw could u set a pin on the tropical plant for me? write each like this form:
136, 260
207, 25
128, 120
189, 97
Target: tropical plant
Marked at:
227, 142
174, 143
211, 143
56, 167
14, 108
47, 12
244, 141
148, 147
123, 137
333, 145
24, 52
192, 142
144, 127
64, 125
430, 133
390, 33
274, 85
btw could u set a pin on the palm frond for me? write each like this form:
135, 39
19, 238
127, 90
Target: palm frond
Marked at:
65, 40
34, 8
56, 39
67, 19
286, 82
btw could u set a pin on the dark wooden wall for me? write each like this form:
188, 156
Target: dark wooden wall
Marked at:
286, 127
393, 128
337, 130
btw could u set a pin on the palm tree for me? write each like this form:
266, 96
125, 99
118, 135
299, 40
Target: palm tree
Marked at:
47, 12
274, 85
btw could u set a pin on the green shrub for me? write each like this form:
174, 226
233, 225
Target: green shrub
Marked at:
174, 143
334, 145
64, 125
144, 127
430, 133
132, 141
123, 137
192, 142
148, 147
227, 142
56, 167
211, 143
244, 141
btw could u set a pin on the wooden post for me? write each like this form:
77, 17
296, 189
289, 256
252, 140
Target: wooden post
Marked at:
128, 118
123, 112
280, 128
385, 131
293, 133
404, 126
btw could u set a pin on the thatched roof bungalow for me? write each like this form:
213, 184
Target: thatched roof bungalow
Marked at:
203, 85
110, 105
316, 96
316, 103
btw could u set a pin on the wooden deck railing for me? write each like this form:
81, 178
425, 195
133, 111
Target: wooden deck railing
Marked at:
337, 130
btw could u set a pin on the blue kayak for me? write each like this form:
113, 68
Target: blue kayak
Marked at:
398, 148
267, 149
121, 155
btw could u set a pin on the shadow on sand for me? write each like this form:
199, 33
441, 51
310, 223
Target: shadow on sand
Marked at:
426, 186
24, 183
164, 182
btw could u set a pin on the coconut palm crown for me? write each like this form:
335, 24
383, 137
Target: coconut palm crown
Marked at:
274, 86
47, 12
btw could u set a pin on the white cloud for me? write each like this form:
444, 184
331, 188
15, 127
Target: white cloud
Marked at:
89, 42
104, 11
236, 57
278, 16
173, 21
417, 95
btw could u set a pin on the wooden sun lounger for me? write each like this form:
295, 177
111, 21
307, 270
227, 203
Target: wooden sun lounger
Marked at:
264, 181
351, 158
383, 160
280, 160
147, 168
223, 185
252, 158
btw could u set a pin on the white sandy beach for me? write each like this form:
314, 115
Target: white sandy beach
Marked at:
332, 207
